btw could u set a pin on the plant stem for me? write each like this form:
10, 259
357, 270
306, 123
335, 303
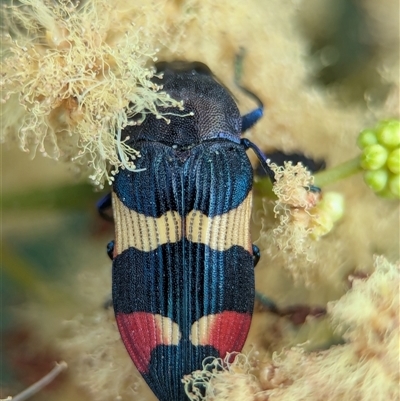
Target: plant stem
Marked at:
43, 382
337, 173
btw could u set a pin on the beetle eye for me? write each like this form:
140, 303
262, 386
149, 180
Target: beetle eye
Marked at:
161, 66
201, 68
182, 66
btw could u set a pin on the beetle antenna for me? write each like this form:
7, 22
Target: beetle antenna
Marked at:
249, 119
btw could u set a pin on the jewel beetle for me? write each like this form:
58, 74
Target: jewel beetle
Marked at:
183, 260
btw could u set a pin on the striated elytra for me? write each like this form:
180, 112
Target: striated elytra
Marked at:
183, 263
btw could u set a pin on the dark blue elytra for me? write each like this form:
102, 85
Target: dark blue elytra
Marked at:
201, 269
211, 165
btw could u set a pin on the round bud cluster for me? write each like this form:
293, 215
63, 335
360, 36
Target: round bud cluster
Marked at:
381, 157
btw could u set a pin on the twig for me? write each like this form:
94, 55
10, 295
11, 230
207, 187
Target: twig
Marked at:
40, 384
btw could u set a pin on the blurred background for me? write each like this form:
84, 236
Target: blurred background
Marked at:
50, 229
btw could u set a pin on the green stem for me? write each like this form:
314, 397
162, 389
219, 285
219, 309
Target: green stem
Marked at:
337, 173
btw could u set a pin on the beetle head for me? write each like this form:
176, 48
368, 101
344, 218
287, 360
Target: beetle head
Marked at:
210, 111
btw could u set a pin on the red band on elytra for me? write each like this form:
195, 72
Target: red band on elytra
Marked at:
141, 334
228, 331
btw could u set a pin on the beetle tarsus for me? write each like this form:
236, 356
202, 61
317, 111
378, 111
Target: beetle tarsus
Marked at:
110, 249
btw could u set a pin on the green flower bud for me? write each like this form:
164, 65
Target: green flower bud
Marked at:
393, 161
394, 185
373, 157
332, 203
388, 133
386, 193
376, 179
366, 137
321, 226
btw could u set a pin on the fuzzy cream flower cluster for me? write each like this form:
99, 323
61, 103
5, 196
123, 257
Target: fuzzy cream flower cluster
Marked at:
71, 77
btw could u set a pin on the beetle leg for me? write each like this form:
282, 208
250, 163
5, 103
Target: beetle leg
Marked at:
297, 314
110, 252
103, 205
108, 303
280, 158
260, 155
264, 160
110, 249
256, 254
267, 303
